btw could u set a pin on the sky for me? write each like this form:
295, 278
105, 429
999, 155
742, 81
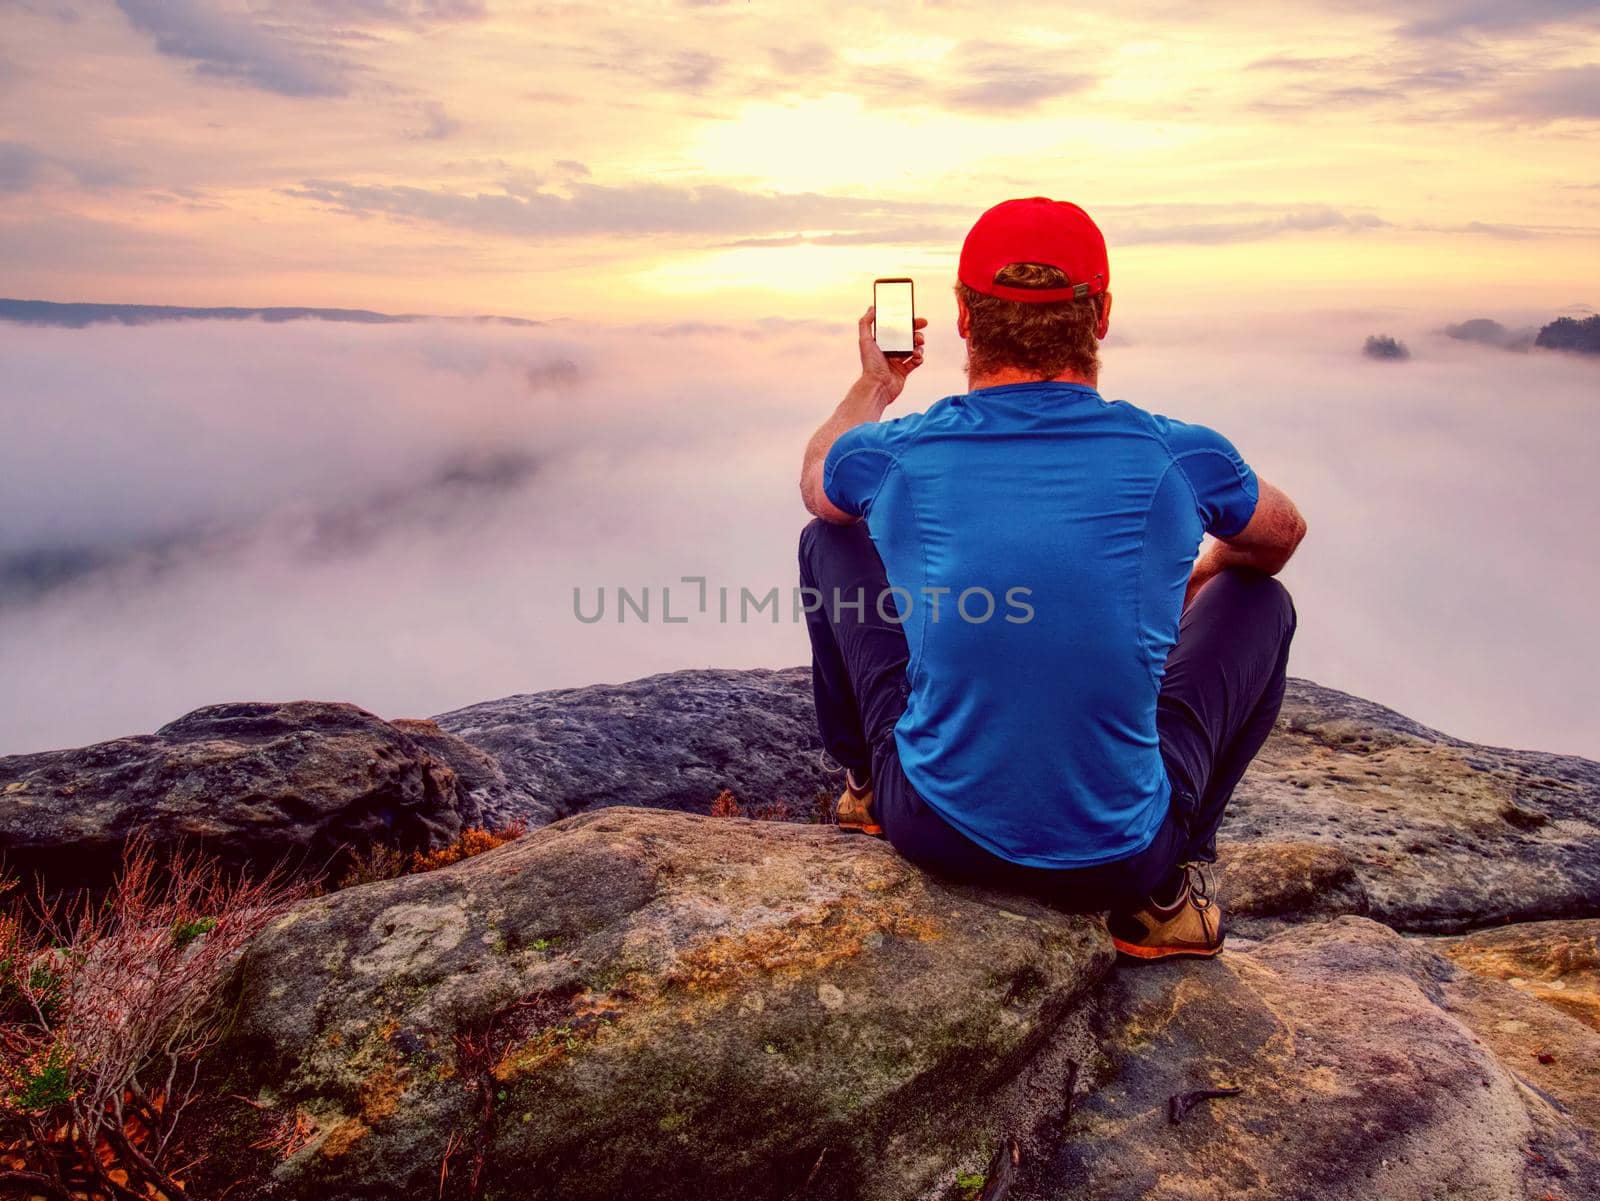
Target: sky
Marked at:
750, 159
687, 203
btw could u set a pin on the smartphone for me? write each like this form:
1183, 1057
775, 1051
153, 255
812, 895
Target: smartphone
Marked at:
895, 306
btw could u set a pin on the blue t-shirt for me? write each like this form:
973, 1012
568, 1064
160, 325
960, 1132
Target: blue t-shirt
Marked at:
1033, 729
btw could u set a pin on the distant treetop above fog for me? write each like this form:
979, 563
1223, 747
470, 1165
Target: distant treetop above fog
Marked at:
1491, 333
1568, 333
1382, 346
1564, 333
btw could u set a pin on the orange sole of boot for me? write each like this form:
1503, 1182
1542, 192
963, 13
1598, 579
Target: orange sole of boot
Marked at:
1128, 948
853, 828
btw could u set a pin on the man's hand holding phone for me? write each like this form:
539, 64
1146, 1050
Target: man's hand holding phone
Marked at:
890, 371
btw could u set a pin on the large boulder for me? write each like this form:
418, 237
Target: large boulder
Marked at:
1349, 808
1439, 834
1357, 1078
672, 741
646, 1004
1557, 962
303, 783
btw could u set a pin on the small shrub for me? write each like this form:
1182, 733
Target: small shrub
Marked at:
474, 841
818, 812
186, 933
377, 862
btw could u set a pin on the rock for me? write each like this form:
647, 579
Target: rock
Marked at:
1541, 1024
1556, 962
671, 741
1357, 1081
253, 783
1442, 835
646, 1004
1268, 883
1421, 831
478, 773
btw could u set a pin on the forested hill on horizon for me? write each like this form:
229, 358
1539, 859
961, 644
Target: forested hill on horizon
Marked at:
77, 315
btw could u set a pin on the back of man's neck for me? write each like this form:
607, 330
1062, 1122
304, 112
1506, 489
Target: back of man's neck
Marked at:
1013, 375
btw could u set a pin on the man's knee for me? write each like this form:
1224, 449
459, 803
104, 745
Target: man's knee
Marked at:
1255, 595
818, 536
808, 537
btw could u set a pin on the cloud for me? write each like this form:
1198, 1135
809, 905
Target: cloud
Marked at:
230, 46
805, 58
22, 169
887, 235
1178, 224
1140, 232
388, 11
688, 71
1413, 81
1449, 18
980, 77
993, 77
440, 124
1551, 95
526, 209
397, 515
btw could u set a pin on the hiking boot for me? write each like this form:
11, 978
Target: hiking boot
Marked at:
854, 809
1191, 925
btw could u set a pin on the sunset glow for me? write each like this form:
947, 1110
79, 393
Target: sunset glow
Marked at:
659, 160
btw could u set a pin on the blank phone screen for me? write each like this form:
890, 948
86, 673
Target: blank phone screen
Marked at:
893, 317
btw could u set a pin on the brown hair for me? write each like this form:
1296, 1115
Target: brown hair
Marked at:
1047, 337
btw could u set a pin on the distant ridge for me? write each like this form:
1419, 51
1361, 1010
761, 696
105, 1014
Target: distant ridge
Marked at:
77, 316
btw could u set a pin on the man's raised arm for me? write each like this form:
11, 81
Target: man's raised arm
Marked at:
1265, 544
880, 382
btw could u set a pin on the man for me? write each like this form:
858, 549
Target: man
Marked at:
1077, 734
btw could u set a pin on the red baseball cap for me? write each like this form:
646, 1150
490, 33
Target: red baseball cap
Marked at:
1035, 230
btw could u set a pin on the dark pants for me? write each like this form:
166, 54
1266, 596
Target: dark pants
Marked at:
1221, 693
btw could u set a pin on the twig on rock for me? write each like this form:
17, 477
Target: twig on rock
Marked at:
1181, 1103
1002, 1171
1071, 1090
811, 1176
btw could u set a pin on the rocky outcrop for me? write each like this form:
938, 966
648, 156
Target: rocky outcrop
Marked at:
1556, 962
1359, 1076
673, 741
634, 1003
1350, 808
661, 1005
1439, 834
256, 784
636, 1000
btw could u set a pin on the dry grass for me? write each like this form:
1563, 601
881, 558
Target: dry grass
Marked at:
105, 1011
380, 862
818, 812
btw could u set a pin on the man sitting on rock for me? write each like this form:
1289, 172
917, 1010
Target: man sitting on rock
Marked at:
1031, 676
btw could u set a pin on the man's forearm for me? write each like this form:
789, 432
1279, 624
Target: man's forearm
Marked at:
1219, 556
865, 401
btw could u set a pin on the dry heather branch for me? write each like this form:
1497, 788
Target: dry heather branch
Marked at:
106, 1009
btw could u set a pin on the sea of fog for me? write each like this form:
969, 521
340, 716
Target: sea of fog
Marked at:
398, 515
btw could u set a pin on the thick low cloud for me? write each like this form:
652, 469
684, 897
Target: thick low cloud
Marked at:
398, 515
